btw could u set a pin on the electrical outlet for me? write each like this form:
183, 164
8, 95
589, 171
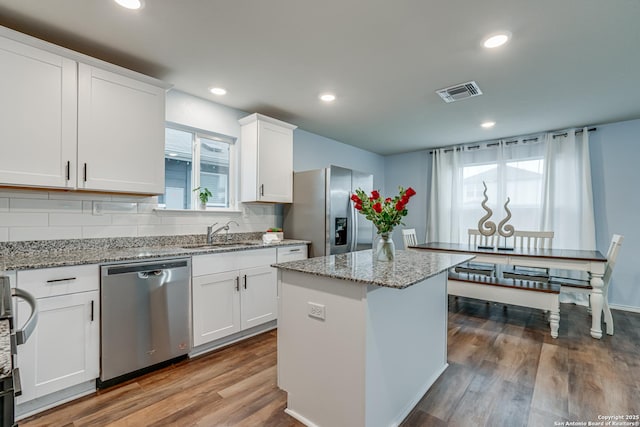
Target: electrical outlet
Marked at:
97, 208
316, 310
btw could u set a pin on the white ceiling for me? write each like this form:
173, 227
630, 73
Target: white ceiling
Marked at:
569, 63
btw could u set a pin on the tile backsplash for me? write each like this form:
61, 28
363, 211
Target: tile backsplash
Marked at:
44, 215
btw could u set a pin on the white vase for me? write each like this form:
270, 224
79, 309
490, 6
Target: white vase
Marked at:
385, 250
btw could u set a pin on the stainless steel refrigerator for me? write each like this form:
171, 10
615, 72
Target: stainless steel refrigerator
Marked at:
323, 213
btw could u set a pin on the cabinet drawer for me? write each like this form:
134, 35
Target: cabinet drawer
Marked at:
292, 253
229, 261
50, 282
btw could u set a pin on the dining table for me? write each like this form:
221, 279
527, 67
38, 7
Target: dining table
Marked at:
590, 261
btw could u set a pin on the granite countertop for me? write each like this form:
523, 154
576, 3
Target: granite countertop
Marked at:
408, 268
46, 254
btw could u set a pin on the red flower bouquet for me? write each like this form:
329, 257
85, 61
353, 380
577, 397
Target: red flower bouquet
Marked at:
383, 213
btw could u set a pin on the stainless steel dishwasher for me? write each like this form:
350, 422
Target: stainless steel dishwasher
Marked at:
146, 316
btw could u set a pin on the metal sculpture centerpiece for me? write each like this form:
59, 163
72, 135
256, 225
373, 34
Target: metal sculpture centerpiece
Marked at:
485, 227
505, 230
488, 228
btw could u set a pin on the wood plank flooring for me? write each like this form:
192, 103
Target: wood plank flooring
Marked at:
504, 370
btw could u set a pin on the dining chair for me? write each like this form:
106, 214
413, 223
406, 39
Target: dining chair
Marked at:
409, 237
476, 239
584, 286
531, 241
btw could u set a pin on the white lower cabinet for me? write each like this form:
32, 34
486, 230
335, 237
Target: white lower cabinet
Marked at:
232, 292
63, 350
258, 296
216, 306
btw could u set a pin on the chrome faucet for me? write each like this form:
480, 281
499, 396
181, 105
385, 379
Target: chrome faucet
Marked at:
211, 232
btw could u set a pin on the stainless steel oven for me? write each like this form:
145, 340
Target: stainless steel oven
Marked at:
9, 340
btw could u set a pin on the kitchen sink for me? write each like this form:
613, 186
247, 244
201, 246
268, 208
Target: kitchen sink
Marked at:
220, 245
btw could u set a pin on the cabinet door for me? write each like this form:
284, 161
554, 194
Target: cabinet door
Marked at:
120, 133
37, 117
63, 350
275, 163
259, 298
216, 306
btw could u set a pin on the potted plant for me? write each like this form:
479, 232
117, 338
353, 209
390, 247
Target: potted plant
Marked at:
203, 196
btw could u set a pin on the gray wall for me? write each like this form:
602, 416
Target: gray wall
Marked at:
311, 151
202, 114
410, 170
615, 151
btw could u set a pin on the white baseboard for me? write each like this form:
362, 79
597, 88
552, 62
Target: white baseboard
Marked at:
40, 404
299, 417
625, 307
423, 390
232, 339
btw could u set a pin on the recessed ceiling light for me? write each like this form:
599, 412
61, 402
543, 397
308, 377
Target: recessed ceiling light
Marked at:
496, 40
327, 97
488, 125
218, 91
130, 4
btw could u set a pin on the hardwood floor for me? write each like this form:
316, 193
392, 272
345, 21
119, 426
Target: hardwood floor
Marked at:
235, 386
504, 369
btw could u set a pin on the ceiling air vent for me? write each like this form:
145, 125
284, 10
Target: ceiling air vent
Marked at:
458, 92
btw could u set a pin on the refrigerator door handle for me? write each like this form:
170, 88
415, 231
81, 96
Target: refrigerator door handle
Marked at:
354, 229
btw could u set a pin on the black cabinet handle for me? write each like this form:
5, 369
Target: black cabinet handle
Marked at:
245, 281
238, 283
85, 172
68, 170
92, 310
67, 279
262, 189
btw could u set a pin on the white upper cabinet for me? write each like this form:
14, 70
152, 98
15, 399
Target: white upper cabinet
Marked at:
37, 117
120, 133
266, 159
71, 121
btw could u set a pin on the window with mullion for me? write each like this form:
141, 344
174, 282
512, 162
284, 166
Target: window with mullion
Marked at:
195, 159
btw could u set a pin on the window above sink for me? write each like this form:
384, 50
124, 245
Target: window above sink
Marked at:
196, 159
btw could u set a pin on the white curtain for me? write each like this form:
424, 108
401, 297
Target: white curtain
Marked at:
568, 198
511, 169
547, 179
444, 219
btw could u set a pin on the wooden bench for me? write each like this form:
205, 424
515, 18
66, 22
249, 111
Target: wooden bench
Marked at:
525, 293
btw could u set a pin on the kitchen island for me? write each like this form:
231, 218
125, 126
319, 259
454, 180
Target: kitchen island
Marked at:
361, 341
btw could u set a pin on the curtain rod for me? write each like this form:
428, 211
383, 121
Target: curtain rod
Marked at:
577, 132
513, 141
